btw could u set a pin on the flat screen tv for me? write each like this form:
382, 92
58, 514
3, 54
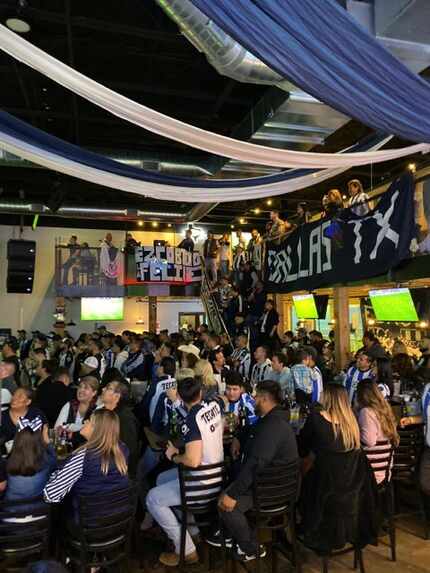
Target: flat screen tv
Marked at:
393, 305
310, 306
102, 309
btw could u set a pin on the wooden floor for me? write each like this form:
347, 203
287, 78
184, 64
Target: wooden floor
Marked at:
413, 555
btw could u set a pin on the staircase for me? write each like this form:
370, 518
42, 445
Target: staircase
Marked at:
214, 316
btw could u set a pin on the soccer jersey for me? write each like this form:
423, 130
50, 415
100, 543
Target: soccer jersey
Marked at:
245, 403
426, 414
260, 372
317, 384
359, 204
353, 377
243, 357
204, 422
158, 392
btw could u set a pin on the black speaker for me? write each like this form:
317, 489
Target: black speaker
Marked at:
21, 257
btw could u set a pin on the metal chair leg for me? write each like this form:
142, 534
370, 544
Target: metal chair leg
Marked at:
325, 564
359, 553
273, 553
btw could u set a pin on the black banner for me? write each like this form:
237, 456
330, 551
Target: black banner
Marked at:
350, 248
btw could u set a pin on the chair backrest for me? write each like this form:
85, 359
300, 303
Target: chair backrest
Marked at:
200, 487
276, 487
407, 454
107, 516
380, 459
24, 528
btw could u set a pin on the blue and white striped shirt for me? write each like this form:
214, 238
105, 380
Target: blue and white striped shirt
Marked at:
353, 377
426, 414
62, 480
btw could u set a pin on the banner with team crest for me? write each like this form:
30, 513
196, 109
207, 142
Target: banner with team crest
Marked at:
163, 264
349, 248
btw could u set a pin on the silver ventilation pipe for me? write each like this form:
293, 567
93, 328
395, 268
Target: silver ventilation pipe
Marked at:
193, 215
227, 56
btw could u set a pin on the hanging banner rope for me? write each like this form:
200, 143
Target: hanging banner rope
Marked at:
171, 128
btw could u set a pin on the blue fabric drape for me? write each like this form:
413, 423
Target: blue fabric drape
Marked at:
321, 48
23, 131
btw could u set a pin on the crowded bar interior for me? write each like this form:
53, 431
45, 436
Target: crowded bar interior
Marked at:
215, 286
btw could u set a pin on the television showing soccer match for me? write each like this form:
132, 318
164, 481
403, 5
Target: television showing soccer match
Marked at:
305, 306
309, 306
102, 309
393, 305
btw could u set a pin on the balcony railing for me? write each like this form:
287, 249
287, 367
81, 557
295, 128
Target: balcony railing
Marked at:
89, 271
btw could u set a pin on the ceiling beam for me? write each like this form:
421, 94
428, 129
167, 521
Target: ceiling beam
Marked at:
107, 26
71, 54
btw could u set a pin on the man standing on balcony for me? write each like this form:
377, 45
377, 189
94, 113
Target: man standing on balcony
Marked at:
187, 243
210, 254
73, 247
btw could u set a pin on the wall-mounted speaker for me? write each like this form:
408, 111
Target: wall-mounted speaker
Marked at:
21, 256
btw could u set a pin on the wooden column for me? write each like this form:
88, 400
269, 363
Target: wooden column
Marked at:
279, 303
342, 329
152, 313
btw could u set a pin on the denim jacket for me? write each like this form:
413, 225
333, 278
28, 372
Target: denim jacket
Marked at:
22, 487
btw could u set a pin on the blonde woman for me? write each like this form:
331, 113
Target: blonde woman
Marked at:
96, 468
332, 428
376, 421
332, 204
336, 493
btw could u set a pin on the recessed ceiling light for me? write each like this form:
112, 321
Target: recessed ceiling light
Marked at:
18, 25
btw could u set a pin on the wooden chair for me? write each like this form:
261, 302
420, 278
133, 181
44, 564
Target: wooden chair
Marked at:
381, 460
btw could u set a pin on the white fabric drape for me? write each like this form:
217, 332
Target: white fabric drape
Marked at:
156, 190
171, 128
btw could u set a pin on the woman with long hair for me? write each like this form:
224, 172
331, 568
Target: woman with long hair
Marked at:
333, 427
383, 376
337, 484
31, 461
99, 466
376, 421
74, 414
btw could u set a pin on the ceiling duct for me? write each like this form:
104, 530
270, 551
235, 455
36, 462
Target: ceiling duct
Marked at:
227, 56
193, 215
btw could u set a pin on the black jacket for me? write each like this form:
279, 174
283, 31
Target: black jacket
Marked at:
272, 320
339, 502
128, 433
51, 397
270, 441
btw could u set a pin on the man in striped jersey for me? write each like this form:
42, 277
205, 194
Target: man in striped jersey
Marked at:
361, 371
262, 367
241, 356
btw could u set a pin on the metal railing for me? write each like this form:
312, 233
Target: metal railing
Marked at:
215, 320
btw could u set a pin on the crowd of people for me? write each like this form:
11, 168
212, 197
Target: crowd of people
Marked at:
280, 403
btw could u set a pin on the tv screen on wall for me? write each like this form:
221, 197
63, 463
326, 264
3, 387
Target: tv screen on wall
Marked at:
102, 309
310, 306
393, 305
